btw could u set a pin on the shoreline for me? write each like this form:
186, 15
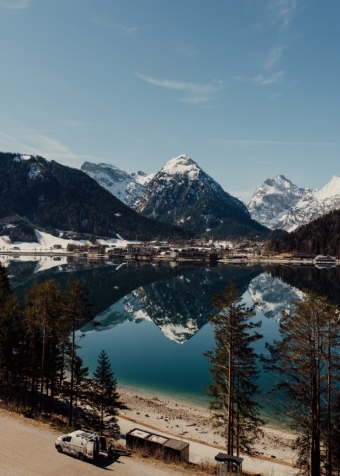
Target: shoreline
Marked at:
190, 421
224, 261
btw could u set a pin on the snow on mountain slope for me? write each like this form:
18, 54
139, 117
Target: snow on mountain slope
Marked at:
127, 187
182, 193
272, 296
278, 203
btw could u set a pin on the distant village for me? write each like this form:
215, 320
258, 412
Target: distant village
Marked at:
194, 251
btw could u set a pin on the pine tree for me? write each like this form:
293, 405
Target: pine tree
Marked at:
305, 366
105, 397
234, 371
11, 339
81, 384
77, 309
46, 327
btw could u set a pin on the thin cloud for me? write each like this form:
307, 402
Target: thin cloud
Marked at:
36, 143
247, 142
196, 92
281, 13
195, 100
15, 4
188, 51
275, 95
74, 123
264, 80
122, 30
274, 57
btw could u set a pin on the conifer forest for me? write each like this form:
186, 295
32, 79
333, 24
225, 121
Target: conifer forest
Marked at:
40, 371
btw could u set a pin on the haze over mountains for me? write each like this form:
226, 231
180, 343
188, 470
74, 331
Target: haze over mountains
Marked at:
280, 204
181, 193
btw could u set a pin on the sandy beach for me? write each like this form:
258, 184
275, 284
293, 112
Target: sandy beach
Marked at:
193, 422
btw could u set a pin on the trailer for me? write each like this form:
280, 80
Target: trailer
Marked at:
158, 444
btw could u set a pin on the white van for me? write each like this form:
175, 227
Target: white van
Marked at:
82, 444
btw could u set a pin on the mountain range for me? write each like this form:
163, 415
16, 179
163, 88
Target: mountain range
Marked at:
280, 204
181, 193
37, 193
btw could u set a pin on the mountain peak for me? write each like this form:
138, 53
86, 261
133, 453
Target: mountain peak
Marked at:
278, 203
278, 181
182, 193
181, 165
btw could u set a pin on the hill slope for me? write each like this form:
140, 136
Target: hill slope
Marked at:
51, 195
127, 187
182, 193
321, 236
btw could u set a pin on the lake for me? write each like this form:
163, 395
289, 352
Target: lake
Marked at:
152, 319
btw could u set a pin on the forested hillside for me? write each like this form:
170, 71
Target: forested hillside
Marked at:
52, 196
321, 236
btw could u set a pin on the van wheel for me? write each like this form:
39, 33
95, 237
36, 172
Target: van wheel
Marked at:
81, 457
59, 449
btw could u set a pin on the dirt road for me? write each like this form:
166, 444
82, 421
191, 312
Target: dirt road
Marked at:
27, 449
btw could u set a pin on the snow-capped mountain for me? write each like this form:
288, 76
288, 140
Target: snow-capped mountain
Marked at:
182, 193
127, 187
179, 306
273, 296
278, 203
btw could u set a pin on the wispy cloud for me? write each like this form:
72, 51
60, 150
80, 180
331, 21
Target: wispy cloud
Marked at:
15, 4
74, 123
281, 13
275, 95
249, 142
273, 58
188, 51
263, 79
34, 142
122, 30
195, 92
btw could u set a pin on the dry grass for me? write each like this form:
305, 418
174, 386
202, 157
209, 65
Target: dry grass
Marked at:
53, 422
158, 458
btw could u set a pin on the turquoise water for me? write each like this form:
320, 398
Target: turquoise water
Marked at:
153, 320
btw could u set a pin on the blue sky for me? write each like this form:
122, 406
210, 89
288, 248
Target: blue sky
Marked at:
247, 88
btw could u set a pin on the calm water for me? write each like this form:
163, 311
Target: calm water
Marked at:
153, 320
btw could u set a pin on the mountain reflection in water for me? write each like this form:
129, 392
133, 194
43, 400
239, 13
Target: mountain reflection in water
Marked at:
143, 312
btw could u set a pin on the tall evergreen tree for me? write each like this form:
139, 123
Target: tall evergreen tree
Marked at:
234, 371
77, 309
44, 317
81, 384
105, 397
305, 366
11, 338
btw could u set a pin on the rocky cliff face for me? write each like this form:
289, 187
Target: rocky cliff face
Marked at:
278, 203
127, 187
182, 193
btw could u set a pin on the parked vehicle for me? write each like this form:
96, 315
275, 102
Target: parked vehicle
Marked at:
81, 444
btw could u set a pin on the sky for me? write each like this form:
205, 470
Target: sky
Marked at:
247, 88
